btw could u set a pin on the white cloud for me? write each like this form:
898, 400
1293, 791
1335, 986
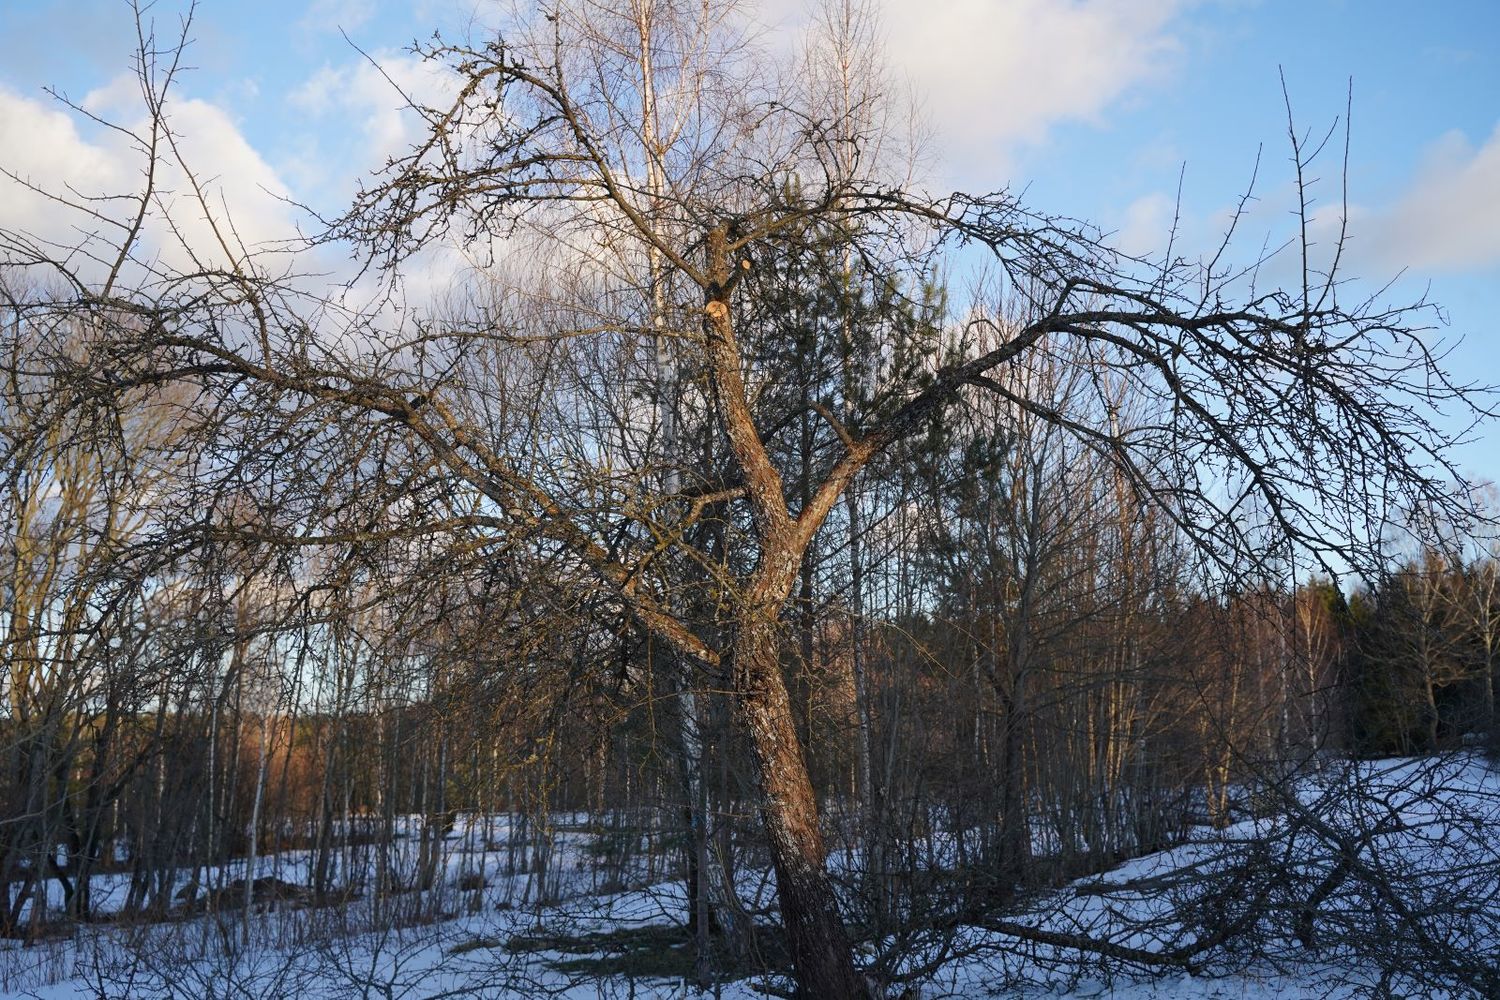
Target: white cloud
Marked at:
997, 73
1445, 220
355, 118
367, 104
1146, 224
336, 15
43, 145
993, 75
1448, 219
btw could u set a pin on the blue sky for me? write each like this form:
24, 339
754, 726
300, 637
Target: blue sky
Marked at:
1094, 106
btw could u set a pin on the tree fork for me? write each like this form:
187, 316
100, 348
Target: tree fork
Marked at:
816, 937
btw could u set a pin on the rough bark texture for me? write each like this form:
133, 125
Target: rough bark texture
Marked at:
815, 932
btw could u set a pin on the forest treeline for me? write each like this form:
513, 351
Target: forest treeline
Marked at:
1035, 683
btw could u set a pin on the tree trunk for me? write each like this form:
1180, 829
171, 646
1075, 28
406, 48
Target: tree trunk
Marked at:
1491, 681
1015, 833
819, 946
869, 801
712, 908
252, 850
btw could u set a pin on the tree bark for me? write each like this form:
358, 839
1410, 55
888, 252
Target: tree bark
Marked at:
816, 937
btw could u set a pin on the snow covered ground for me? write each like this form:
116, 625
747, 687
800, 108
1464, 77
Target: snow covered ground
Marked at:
1381, 880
